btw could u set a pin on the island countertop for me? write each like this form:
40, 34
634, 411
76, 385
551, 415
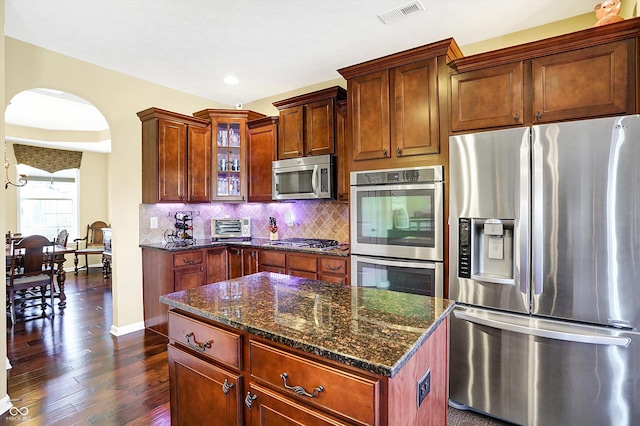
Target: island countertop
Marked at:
374, 330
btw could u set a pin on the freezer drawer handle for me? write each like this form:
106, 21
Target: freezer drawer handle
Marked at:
540, 332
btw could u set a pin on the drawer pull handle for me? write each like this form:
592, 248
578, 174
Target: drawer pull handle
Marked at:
248, 401
190, 262
299, 389
226, 386
333, 268
195, 345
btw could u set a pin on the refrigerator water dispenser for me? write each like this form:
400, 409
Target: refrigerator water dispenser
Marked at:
486, 250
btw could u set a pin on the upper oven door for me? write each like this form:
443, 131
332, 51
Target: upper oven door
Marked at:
398, 220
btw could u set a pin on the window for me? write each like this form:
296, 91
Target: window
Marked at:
48, 203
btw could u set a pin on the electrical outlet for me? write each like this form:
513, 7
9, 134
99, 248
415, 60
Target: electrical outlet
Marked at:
153, 222
424, 387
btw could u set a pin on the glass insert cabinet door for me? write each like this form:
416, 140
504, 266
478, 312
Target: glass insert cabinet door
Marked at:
229, 143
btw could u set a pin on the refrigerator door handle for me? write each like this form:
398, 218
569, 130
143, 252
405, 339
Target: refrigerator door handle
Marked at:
541, 332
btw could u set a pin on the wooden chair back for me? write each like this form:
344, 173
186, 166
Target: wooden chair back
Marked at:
94, 237
61, 238
29, 258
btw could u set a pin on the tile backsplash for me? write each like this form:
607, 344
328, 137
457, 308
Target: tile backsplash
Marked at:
311, 219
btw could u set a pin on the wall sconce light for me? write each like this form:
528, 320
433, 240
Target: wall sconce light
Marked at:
22, 179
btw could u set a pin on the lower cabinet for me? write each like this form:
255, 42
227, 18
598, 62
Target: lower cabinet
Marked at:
221, 375
201, 392
272, 408
242, 261
311, 266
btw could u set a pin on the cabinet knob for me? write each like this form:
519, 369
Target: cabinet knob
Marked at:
398, 152
226, 386
516, 117
309, 153
538, 116
299, 154
248, 401
384, 152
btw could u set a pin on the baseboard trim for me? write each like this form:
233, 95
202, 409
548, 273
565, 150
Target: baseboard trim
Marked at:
5, 404
121, 331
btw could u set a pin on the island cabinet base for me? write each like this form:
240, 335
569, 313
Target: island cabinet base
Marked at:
222, 375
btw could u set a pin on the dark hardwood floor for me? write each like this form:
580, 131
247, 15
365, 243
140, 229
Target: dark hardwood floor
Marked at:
68, 369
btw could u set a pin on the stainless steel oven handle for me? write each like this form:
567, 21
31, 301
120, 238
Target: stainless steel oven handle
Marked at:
542, 332
399, 263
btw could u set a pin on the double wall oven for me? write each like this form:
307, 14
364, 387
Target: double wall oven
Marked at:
397, 229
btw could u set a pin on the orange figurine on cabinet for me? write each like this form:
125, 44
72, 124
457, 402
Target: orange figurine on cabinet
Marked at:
607, 12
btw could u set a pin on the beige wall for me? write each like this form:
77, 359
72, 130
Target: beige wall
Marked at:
5, 405
118, 97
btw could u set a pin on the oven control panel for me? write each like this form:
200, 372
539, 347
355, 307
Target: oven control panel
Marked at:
398, 176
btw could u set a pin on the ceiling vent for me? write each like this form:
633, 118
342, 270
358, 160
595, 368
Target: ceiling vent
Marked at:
400, 12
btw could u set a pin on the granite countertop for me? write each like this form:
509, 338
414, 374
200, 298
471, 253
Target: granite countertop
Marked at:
374, 330
341, 250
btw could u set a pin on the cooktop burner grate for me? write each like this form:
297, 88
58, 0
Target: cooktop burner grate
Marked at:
304, 242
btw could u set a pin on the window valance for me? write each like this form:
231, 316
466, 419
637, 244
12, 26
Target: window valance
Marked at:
47, 159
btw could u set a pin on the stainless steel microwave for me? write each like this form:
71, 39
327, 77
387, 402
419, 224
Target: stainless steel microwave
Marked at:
304, 178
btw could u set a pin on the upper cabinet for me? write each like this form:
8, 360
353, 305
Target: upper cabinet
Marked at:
397, 106
342, 153
585, 74
176, 157
307, 123
229, 152
262, 150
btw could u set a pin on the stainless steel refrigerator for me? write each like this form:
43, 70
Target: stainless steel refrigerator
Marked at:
545, 266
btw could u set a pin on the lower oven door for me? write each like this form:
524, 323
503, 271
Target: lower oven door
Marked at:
407, 276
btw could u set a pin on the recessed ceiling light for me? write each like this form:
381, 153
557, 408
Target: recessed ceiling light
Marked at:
231, 80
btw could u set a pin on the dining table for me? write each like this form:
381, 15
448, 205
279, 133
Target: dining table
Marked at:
58, 259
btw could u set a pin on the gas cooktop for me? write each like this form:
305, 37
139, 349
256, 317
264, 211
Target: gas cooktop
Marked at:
303, 242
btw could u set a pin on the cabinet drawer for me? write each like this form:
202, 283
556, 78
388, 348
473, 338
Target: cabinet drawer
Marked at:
210, 341
333, 266
187, 258
301, 262
272, 258
354, 397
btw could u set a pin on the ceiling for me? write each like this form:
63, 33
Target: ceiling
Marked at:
271, 46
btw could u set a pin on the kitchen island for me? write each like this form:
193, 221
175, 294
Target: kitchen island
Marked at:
268, 347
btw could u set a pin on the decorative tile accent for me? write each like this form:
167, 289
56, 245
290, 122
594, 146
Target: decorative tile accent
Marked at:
312, 219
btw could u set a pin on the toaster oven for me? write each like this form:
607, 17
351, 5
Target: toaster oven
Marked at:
231, 228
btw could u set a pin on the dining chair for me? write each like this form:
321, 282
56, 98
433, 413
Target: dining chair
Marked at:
61, 238
92, 243
31, 274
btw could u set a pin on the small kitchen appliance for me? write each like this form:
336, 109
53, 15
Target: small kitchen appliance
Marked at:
304, 178
225, 229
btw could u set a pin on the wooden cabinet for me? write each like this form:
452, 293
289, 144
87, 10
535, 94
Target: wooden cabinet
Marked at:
262, 141
242, 261
216, 264
176, 157
189, 270
215, 367
229, 151
164, 272
305, 265
397, 107
585, 74
207, 384
272, 261
272, 408
342, 153
307, 123
334, 269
